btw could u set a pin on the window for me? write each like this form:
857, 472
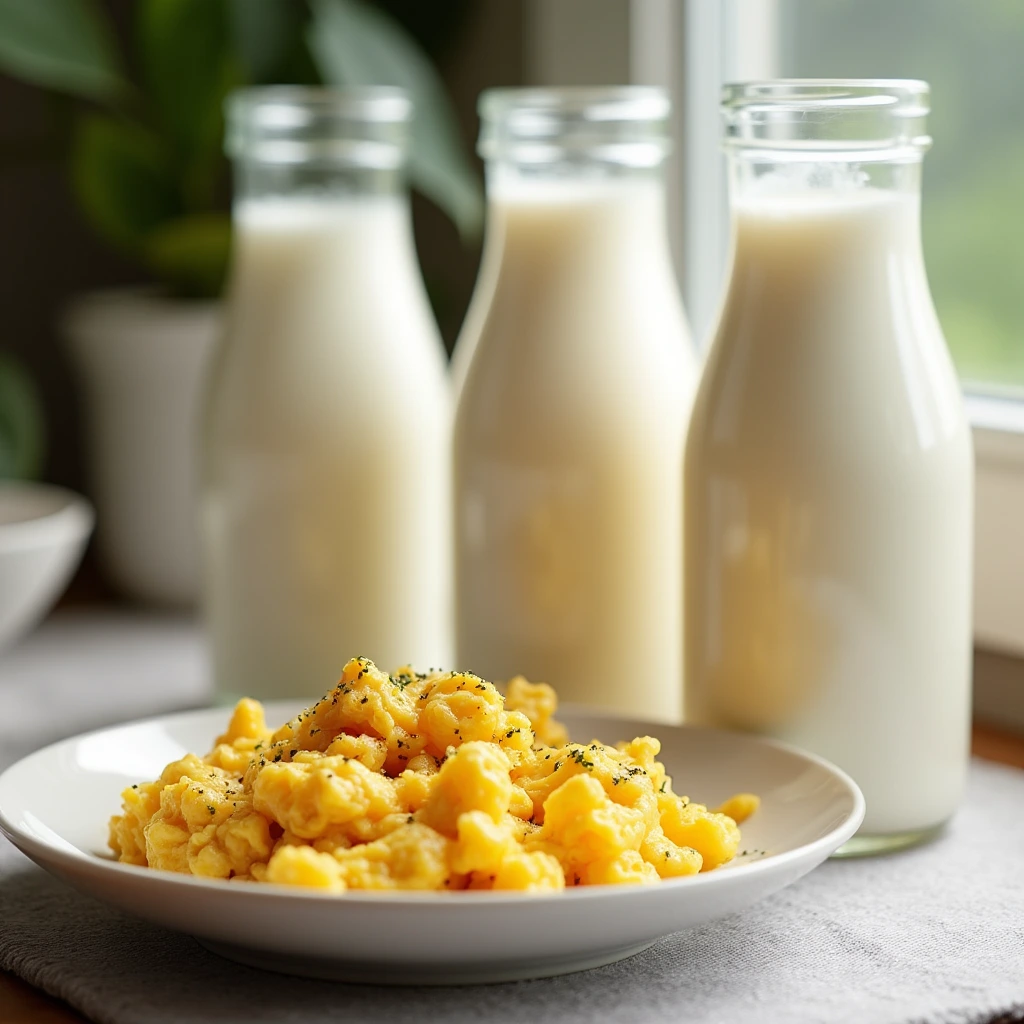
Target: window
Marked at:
973, 213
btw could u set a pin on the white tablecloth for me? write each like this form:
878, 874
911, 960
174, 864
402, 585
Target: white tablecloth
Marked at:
933, 934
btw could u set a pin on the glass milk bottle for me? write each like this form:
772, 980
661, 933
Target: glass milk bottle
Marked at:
829, 468
326, 465
576, 376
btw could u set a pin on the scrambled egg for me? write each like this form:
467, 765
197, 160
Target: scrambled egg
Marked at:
413, 781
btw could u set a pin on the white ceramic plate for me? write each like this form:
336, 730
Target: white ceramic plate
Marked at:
54, 805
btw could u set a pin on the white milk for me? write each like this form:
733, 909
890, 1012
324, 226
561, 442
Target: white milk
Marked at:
829, 505
569, 432
327, 452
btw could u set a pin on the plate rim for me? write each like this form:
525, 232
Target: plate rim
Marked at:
47, 854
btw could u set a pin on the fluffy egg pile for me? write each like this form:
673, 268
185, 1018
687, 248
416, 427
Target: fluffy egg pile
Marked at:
422, 781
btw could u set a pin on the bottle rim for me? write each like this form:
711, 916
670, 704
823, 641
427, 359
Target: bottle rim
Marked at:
358, 126
624, 125
815, 118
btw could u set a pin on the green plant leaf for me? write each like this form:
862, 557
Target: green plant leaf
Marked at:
186, 64
21, 423
191, 253
355, 44
263, 33
59, 44
120, 176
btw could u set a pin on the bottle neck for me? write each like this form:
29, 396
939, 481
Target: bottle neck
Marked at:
875, 207
564, 222
317, 241
256, 180
757, 174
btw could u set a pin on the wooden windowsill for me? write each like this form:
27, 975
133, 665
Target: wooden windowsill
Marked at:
995, 744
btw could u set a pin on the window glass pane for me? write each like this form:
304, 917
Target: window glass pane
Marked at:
972, 53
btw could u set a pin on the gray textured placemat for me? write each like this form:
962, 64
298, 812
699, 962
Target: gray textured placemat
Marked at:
934, 934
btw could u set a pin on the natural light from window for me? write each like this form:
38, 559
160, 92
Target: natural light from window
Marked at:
973, 56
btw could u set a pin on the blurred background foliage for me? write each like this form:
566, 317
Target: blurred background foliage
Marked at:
143, 124
137, 119
972, 54
21, 423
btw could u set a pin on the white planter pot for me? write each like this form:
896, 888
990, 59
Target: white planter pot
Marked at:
141, 361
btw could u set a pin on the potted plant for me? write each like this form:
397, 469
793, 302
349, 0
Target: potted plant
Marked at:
148, 172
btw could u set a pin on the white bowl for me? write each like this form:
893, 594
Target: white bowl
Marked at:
55, 804
43, 530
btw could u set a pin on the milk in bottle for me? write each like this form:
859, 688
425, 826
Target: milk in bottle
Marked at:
575, 373
828, 475
326, 488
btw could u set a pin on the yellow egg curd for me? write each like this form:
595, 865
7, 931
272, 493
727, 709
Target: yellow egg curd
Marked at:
422, 781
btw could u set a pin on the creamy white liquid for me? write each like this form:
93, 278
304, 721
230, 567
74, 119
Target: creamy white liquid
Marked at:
829, 504
326, 491
577, 381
